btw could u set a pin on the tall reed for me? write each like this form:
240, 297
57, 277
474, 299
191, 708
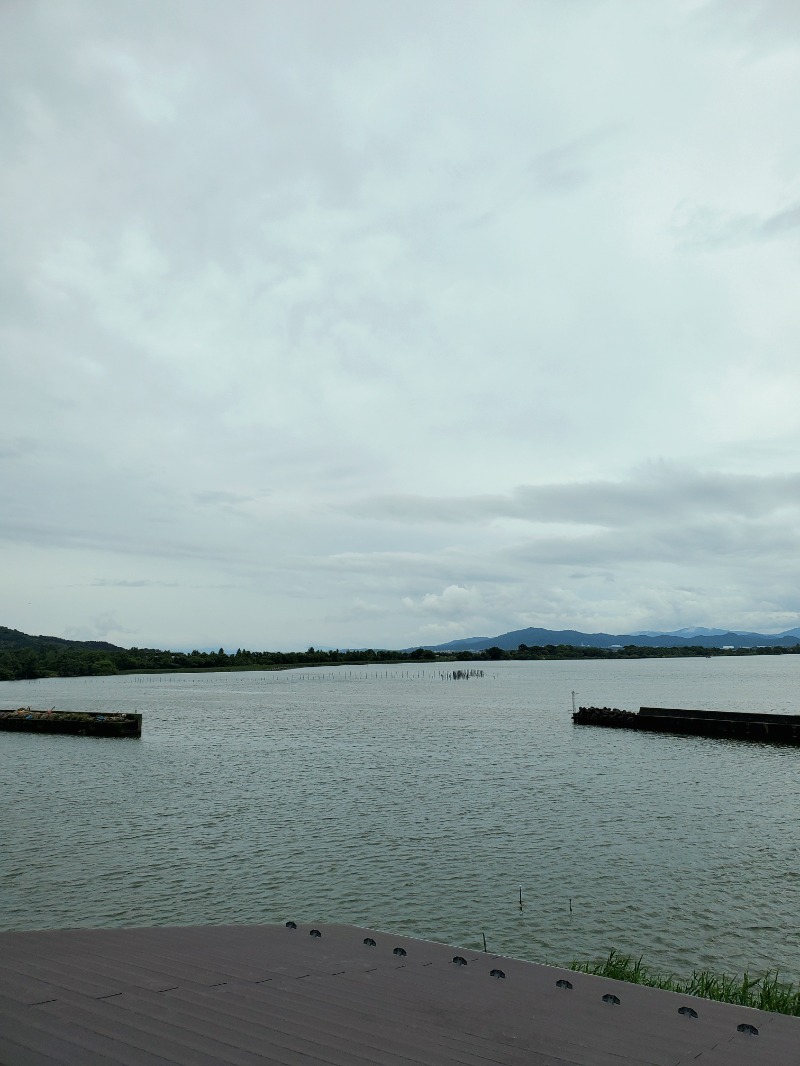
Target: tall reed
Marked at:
765, 992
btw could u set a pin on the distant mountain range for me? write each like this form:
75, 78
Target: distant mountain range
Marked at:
696, 637
13, 639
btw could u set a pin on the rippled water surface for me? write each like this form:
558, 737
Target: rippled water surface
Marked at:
393, 799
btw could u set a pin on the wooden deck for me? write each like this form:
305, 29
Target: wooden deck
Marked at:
248, 995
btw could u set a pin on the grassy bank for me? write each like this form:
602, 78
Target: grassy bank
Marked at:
765, 992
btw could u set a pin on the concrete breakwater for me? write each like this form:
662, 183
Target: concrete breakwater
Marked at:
772, 728
78, 723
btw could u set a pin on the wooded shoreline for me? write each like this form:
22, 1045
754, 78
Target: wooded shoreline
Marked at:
41, 657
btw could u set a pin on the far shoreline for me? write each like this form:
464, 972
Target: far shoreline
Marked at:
46, 660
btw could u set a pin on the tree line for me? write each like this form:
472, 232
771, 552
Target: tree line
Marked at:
74, 660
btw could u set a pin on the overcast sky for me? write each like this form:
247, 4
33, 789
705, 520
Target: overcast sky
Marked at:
364, 323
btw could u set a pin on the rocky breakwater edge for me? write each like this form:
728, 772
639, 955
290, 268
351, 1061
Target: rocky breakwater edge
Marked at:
755, 726
76, 723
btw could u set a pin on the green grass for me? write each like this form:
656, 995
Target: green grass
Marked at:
766, 992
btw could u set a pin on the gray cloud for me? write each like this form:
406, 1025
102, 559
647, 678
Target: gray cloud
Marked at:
429, 285
759, 23
17, 447
219, 497
104, 583
708, 545
562, 169
710, 228
99, 627
782, 222
655, 494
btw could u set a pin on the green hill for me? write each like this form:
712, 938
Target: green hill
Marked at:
13, 639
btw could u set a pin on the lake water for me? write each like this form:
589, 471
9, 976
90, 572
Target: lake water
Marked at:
393, 799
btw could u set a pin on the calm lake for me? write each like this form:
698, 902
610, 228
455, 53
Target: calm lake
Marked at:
391, 798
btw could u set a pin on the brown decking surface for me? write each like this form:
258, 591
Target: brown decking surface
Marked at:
250, 995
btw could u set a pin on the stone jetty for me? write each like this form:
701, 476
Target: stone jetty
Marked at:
772, 728
78, 723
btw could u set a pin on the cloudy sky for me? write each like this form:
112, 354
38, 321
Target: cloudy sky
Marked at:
351, 322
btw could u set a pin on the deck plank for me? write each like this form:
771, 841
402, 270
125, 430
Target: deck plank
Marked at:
250, 995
